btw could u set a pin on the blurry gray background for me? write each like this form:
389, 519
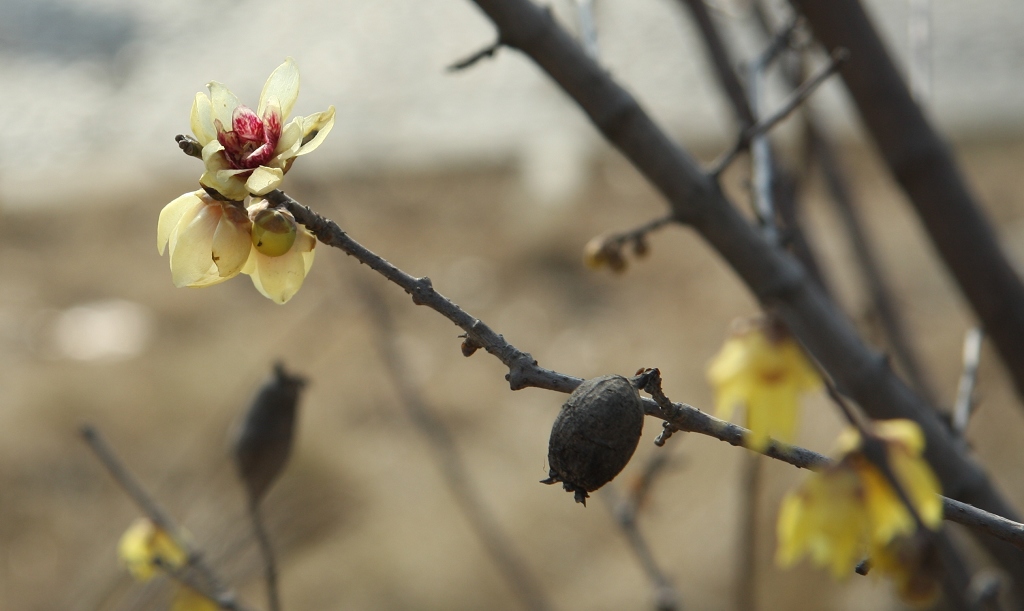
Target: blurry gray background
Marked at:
94, 90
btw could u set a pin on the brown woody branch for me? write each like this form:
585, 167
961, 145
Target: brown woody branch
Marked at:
928, 173
774, 277
524, 372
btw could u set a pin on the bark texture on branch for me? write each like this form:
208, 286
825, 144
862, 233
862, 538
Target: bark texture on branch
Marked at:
774, 277
925, 168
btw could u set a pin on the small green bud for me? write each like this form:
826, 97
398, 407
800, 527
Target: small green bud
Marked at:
273, 232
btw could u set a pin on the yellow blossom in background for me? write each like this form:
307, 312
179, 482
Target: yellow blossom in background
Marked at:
282, 252
765, 372
144, 546
188, 599
209, 241
248, 152
849, 511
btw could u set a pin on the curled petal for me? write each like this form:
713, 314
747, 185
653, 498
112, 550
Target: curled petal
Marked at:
263, 180
223, 103
202, 120
231, 245
314, 129
191, 257
283, 86
171, 214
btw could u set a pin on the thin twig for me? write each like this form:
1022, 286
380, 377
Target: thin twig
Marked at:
588, 28
450, 463
267, 552
964, 406
486, 52
524, 372
746, 538
213, 587
798, 97
666, 595
722, 63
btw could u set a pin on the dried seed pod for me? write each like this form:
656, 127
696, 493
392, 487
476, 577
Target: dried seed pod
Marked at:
594, 435
264, 440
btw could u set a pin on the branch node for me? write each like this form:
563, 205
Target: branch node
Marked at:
421, 290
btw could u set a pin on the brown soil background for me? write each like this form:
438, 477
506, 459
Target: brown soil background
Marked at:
362, 515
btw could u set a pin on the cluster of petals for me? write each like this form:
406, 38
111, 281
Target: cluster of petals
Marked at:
248, 152
761, 369
210, 241
850, 511
210, 233
145, 548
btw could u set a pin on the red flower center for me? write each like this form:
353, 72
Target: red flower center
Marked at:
251, 141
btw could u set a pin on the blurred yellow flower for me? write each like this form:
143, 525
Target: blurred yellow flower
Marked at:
282, 252
248, 152
849, 511
145, 546
764, 371
188, 599
209, 241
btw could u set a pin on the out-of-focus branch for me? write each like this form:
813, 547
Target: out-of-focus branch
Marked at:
766, 123
588, 28
773, 276
722, 63
964, 406
209, 585
926, 170
453, 469
666, 597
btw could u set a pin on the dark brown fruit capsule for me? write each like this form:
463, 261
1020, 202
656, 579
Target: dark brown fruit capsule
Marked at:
594, 435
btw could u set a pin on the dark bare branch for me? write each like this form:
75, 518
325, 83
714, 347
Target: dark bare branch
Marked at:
210, 585
774, 277
928, 173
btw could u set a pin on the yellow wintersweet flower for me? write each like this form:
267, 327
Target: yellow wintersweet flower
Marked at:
145, 546
282, 252
849, 511
765, 371
188, 599
248, 152
208, 240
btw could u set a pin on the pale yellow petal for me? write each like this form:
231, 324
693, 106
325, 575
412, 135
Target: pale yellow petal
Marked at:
231, 246
279, 278
288, 145
314, 129
263, 180
283, 86
902, 431
202, 119
171, 214
223, 104
305, 243
144, 547
921, 485
192, 257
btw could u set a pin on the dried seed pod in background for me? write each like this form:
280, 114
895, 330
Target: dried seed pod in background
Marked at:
594, 435
264, 439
